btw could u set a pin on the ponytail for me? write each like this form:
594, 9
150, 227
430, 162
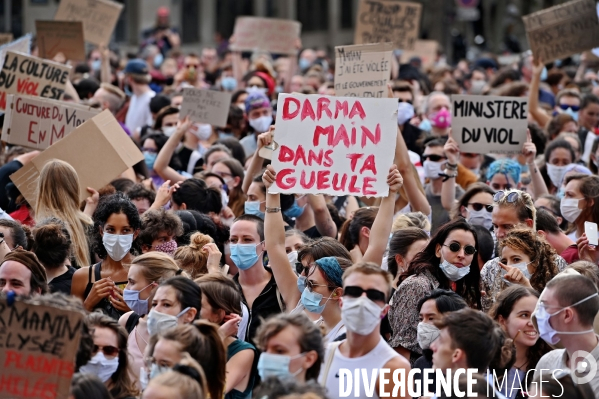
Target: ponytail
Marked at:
212, 356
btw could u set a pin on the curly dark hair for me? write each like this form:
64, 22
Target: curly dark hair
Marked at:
538, 250
155, 222
467, 287
198, 197
116, 203
139, 191
52, 243
504, 304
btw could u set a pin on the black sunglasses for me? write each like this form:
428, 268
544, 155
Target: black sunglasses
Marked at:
109, 351
433, 157
399, 100
455, 247
477, 206
372, 294
575, 108
300, 268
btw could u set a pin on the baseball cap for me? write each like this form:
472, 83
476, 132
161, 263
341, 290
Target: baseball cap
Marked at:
137, 67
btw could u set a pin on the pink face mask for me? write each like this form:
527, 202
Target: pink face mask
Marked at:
168, 247
441, 119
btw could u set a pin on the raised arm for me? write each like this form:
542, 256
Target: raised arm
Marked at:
322, 217
535, 110
166, 153
256, 163
416, 196
381, 228
105, 64
452, 151
274, 238
529, 150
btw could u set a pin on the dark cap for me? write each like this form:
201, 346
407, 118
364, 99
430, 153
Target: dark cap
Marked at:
137, 67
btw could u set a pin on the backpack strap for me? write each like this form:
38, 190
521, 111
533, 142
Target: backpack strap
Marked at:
328, 362
280, 300
132, 321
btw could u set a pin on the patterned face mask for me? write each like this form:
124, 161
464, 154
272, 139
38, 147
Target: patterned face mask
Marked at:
168, 247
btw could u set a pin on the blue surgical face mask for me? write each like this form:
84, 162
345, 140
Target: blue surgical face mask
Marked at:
244, 255
96, 65
311, 301
253, 208
301, 283
544, 75
572, 113
405, 112
156, 370
131, 297
150, 159
272, 365
304, 64
228, 83
425, 125
295, 210
158, 59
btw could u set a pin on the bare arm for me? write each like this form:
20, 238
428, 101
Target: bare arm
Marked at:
536, 180
535, 110
237, 68
274, 238
238, 367
256, 163
105, 65
381, 228
448, 187
166, 153
416, 196
322, 217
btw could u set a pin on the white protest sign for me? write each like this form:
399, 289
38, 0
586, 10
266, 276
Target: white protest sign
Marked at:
206, 106
363, 70
38, 123
489, 124
334, 145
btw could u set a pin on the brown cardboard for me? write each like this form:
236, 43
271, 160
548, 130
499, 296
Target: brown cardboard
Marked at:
206, 106
6, 38
381, 21
425, 49
99, 17
363, 70
64, 37
278, 36
39, 345
563, 30
25, 74
38, 123
99, 150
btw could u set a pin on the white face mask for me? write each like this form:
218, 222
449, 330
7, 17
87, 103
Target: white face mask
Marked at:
117, 245
453, 272
556, 174
432, 170
159, 322
479, 218
569, 209
426, 334
169, 130
292, 256
405, 112
360, 315
261, 124
202, 131
101, 367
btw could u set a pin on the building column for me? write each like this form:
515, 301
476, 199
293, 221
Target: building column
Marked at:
334, 25
260, 8
7, 15
207, 20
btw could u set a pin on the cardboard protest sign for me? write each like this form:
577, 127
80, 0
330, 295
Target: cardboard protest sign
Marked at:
426, 50
563, 30
278, 36
363, 70
98, 149
381, 21
99, 17
21, 45
64, 37
6, 38
206, 106
38, 345
24, 74
38, 123
334, 145
489, 124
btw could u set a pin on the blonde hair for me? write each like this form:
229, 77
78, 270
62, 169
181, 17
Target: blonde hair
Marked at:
411, 219
157, 267
187, 386
191, 258
57, 195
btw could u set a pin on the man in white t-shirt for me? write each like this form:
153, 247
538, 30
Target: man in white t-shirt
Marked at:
366, 289
137, 77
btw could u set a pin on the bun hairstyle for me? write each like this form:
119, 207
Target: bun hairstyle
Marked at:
52, 242
192, 258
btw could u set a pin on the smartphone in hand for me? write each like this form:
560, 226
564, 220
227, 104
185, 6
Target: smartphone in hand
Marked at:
590, 230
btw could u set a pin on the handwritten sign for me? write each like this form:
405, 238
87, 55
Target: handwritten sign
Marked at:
278, 36
21, 45
363, 70
206, 106
381, 21
98, 149
99, 17
64, 37
38, 123
563, 30
38, 345
6, 38
334, 145
489, 124
426, 50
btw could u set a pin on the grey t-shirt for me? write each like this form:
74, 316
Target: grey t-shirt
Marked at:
439, 215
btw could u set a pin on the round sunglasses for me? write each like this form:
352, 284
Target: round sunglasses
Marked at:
477, 206
455, 247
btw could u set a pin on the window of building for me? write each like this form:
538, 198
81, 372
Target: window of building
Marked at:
313, 14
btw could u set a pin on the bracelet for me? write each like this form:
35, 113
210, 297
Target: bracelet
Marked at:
451, 166
273, 210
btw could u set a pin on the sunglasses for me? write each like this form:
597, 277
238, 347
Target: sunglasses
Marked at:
399, 100
455, 247
511, 197
477, 206
109, 351
575, 108
433, 157
300, 268
372, 294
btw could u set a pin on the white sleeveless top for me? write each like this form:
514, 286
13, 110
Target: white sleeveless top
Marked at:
334, 361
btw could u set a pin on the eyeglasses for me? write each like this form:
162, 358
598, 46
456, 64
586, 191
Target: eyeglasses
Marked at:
455, 247
372, 294
109, 351
223, 174
511, 197
575, 108
399, 100
152, 150
310, 285
433, 157
477, 206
